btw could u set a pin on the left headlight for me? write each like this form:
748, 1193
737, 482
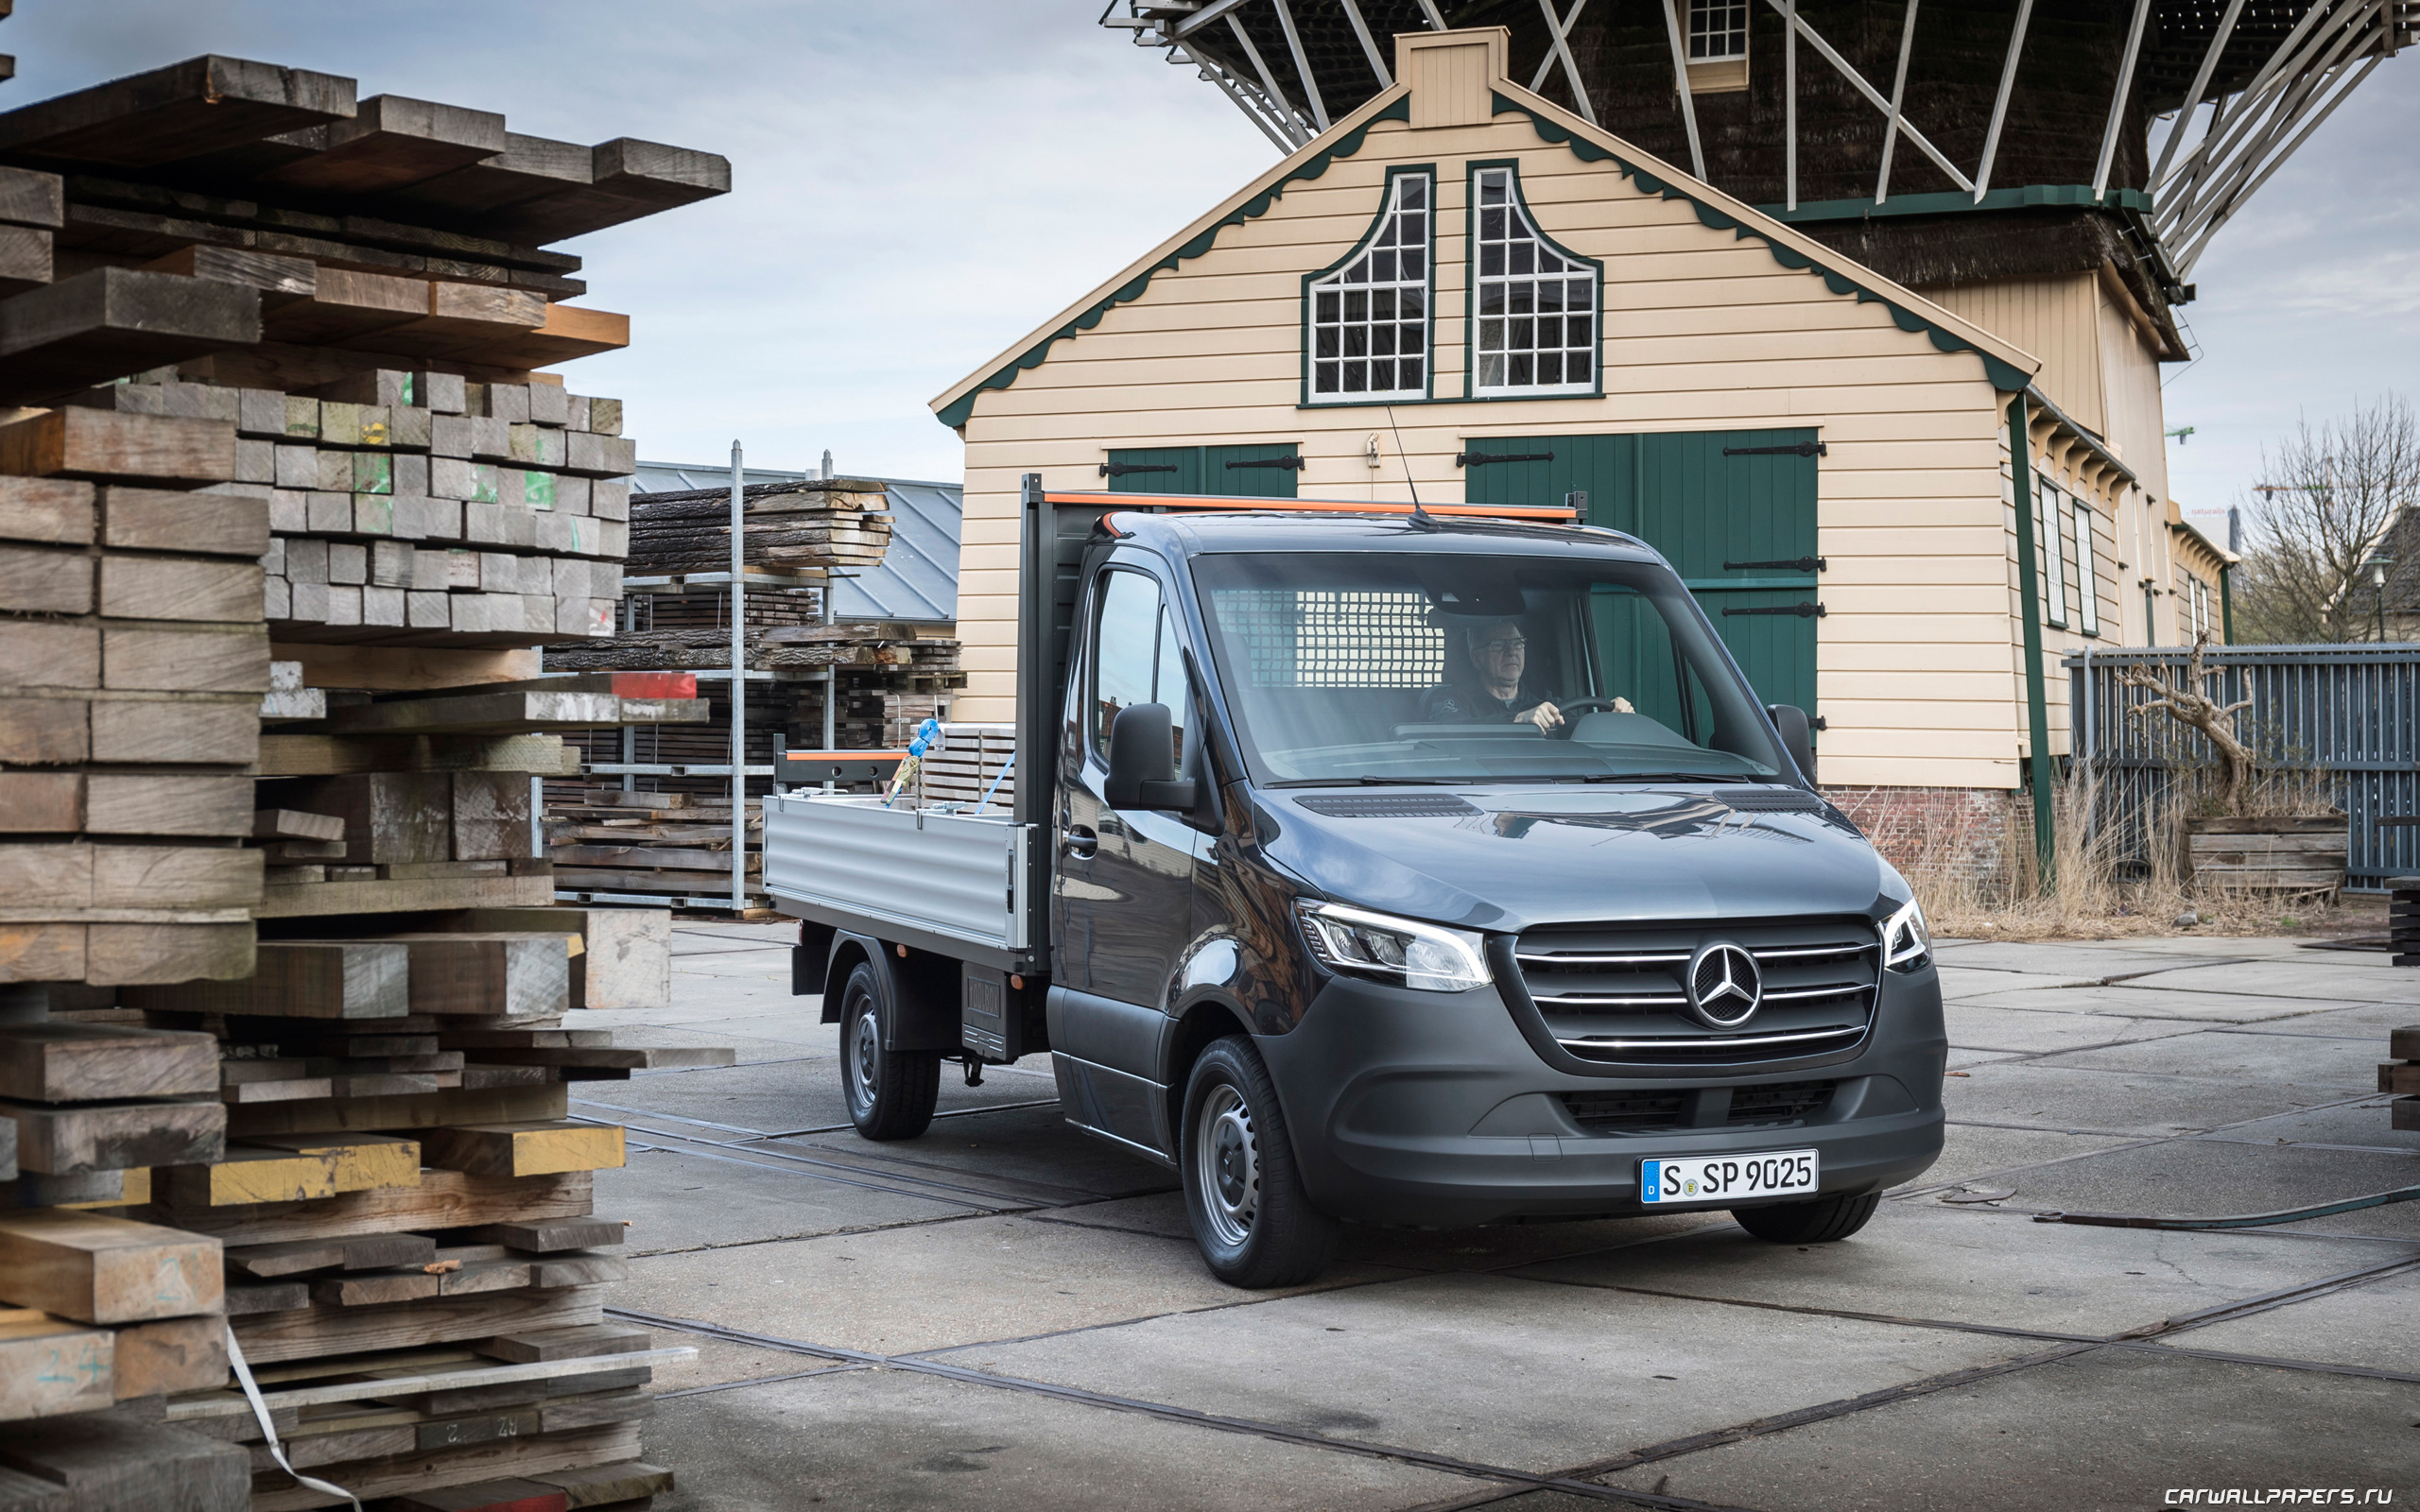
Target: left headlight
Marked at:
1906, 944
1425, 957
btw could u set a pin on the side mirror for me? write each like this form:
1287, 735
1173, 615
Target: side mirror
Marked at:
1797, 735
1142, 762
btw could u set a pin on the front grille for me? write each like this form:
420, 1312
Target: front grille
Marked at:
1615, 992
1627, 1111
1782, 1103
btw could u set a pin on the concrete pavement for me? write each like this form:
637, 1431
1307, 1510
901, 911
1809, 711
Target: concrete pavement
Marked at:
1007, 1314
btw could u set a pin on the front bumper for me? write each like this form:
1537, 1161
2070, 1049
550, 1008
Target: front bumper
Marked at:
1426, 1110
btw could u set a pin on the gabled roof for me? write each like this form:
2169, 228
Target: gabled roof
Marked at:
916, 579
2009, 368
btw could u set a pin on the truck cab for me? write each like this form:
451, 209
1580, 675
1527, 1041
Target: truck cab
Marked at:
1383, 864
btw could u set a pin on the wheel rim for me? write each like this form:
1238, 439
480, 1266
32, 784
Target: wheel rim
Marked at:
1227, 1166
864, 1057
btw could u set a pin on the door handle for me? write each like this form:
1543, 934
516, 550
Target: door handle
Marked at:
1079, 842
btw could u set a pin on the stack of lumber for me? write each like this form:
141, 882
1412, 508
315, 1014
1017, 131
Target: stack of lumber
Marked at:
418, 508
297, 471
132, 659
413, 1256
2403, 919
2402, 1077
806, 527
618, 841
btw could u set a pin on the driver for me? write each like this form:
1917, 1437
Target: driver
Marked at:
1501, 695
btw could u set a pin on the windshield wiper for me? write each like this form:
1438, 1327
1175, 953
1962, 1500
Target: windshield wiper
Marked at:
1671, 777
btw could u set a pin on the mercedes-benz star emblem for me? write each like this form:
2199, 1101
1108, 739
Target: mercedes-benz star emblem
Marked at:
1725, 985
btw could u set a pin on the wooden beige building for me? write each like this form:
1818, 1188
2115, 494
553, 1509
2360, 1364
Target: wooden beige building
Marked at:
1538, 309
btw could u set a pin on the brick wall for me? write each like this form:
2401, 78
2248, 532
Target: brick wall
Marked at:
1977, 834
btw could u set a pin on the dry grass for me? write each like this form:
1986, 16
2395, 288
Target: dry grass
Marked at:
2097, 896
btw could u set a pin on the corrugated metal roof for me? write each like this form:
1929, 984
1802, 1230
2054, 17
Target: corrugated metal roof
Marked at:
917, 578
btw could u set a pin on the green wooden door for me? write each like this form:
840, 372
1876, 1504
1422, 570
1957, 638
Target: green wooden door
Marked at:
1734, 511
1263, 470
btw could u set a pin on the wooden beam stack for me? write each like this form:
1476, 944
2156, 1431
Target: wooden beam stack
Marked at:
283, 994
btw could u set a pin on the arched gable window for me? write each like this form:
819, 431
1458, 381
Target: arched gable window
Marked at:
1365, 319
1533, 322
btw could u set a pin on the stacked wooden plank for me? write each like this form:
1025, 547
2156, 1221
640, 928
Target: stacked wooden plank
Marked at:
133, 657
300, 473
412, 508
805, 527
2402, 1077
610, 840
2403, 919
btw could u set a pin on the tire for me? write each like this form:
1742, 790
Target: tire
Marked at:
1243, 1192
1819, 1222
891, 1093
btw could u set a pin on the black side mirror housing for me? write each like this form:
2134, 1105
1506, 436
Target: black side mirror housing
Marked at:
1142, 762
1797, 735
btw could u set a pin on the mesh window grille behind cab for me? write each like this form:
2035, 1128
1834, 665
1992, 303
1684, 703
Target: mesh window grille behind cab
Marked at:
1314, 638
1537, 325
1717, 30
1369, 319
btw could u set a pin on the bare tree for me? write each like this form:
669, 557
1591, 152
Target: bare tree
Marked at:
2330, 500
2185, 700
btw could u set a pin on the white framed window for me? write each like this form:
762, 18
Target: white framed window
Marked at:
2087, 573
2201, 606
2051, 528
1533, 322
1366, 322
1717, 30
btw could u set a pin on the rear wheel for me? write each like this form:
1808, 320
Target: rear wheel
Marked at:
1242, 1189
891, 1093
1819, 1222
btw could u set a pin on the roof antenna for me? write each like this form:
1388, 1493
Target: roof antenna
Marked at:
1421, 519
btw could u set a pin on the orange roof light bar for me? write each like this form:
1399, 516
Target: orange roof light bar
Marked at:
1543, 514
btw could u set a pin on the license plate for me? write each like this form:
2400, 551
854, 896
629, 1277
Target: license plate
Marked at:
1729, 1178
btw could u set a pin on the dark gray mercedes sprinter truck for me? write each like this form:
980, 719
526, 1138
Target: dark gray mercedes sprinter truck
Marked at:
1394, 867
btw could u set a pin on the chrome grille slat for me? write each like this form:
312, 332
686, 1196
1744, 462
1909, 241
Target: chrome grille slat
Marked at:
1614, 991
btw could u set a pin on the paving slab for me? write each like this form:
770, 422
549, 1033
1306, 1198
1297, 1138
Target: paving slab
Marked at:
1494, 1369
2310, 976
1971, 1150
1032, 1146
2342, 1328
749, 1048
883, 1440
2348, 1064
2373, 1021
1959, 983
944, 1285
2076, 960
2114, 1429
720, 1362
2144, 1001
2364, 1125
2033, 1094
2035, 1031
680, 1202
2200, 1179
775, 1096
1923, 1259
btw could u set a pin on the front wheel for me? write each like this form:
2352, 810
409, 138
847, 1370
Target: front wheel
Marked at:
891, 1093
1242, 1189
1818, 1222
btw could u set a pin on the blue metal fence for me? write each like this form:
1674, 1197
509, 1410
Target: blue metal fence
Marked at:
2351, 711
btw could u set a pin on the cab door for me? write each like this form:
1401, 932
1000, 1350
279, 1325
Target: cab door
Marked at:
1125, 880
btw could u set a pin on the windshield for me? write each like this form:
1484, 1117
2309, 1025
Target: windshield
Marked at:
1419, 667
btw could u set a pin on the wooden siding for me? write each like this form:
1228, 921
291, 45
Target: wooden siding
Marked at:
2058, 319
1703, 330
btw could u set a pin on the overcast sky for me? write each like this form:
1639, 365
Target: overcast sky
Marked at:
918, 185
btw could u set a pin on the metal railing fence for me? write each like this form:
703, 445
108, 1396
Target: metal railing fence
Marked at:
2350, 713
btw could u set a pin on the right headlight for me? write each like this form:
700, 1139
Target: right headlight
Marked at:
1425, 957
1906, 944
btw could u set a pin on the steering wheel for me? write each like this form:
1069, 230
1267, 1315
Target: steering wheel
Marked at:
1572, 709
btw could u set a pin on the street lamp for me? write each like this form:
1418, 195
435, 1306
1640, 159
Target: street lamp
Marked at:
2378, 584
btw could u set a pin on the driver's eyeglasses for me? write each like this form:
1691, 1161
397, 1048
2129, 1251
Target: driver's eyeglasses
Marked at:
1506, 645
